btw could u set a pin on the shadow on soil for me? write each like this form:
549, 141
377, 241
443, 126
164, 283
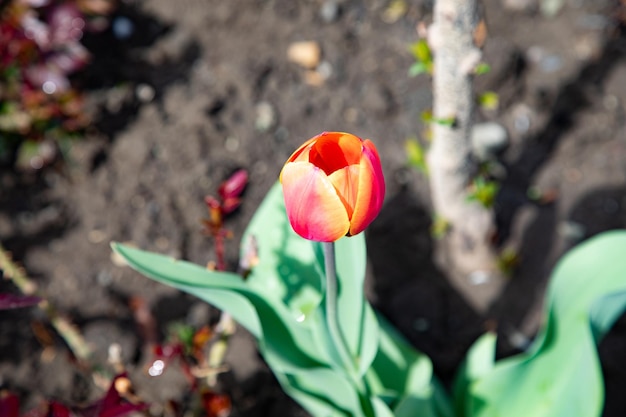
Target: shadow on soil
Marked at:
126, 74
411, 292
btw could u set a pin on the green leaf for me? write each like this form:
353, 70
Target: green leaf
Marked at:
483, 191
285, 259
417, 68
381, 409
479, 362
489, 100
264, 316
560, 376
416, 155
421, 51
482, 68
369, 339
439, 227
423, 57
356, 320
405, 378
428, 117
315, 405
331, 386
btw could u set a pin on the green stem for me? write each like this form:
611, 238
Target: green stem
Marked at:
332, 319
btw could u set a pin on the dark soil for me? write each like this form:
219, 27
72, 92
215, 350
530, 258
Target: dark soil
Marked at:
176, 110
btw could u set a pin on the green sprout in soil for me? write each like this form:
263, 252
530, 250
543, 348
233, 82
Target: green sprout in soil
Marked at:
483, 191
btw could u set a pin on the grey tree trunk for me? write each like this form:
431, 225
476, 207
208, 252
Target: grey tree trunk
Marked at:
465, 251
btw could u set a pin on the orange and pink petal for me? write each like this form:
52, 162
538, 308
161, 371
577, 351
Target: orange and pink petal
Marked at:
371, 190
346, 182
314, 209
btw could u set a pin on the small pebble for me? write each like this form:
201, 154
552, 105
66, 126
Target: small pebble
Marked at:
122, 27
488, 139
96, 236
519, 340
479, 277
104, 278
571, 231
265, 116
520, 5
329, 12
307, 54
231, 144
550, 8
421, 324
198, 315
551, 63
325, 70
117, 259
522, 123
313, 78
145, 93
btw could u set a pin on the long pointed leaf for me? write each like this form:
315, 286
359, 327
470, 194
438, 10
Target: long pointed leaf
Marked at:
277, 326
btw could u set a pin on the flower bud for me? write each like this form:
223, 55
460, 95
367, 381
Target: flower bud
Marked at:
333, 186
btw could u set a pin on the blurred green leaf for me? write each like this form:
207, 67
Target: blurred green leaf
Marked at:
417, 68
560, 375
439, 227
489, 100
427, 117
406, 377
423, 58
482, 68
183, 333
508, 260
483, 191
416, 155
479, 361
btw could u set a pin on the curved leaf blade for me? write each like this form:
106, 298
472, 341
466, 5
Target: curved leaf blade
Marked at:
276, 326
285, 260
561, 376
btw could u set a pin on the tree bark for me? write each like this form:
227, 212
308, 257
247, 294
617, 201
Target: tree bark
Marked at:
465, 251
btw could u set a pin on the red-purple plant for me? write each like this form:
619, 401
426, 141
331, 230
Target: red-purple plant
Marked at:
11, 301
41, 48
229, 200
113, 404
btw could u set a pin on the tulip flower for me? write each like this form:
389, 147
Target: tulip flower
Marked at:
333, 186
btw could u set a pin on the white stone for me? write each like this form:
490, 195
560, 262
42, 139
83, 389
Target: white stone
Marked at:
488, 139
